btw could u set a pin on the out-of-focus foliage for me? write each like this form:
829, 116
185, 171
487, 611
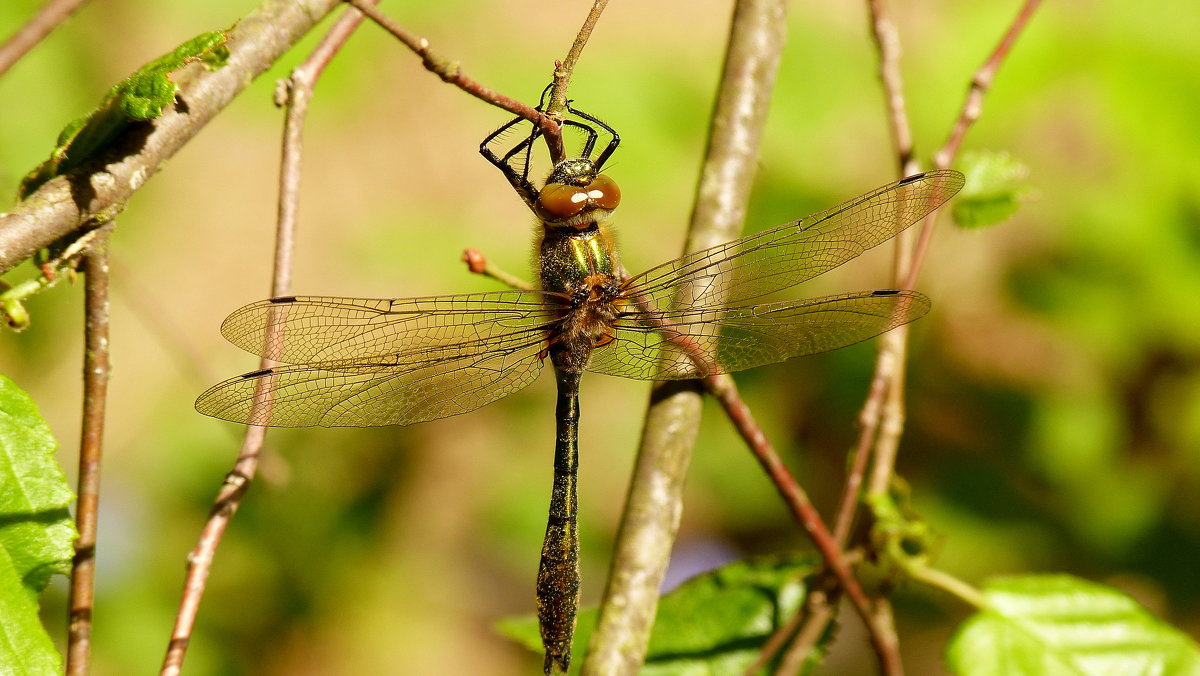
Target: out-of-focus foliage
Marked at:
35, 531
995, 186
1054, 408
1057, 625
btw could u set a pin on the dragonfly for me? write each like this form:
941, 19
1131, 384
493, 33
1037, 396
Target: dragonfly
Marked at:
368, 362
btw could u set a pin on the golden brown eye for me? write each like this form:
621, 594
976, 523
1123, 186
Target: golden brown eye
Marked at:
604, 192
559, 201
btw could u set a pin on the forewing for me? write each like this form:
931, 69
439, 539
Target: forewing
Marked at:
328, 330
752, 267
368, 395
692, 343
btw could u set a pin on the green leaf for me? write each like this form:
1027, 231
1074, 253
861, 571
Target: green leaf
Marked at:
1052, 625
139, 97
35, 532
713, 624
994, 189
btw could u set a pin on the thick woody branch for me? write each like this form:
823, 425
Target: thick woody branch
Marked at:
100, 189
652, 511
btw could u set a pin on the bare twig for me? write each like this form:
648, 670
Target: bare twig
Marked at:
881, 420
91, 444
101, 188
652, 510
295, 92
895, 342
451, 72
887, 42
981, 82
47, 19
563, 69
803, 510
480, 265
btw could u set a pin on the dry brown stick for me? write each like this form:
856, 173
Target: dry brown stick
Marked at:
892, 424
100, 189
47, 19
563, 69
882, 637
296, 93
887, 43
652, 511
881, 419
96, 370
451, 72
971, 110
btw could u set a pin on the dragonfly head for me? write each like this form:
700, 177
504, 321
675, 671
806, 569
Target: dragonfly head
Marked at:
576, 195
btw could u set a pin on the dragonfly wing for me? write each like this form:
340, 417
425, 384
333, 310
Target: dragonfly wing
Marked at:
319, 329
683, 344
752, 267
367, 395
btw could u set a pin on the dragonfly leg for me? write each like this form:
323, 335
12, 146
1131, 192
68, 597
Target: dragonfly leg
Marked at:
518, 179
613, 142
558, 573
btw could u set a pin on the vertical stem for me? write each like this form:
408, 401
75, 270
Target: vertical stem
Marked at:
296, 94
652, 511
96, 370
558, 572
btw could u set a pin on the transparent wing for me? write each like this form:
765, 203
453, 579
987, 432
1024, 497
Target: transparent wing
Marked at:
692, 343
368, 395
749, 268
312, 329
365, 362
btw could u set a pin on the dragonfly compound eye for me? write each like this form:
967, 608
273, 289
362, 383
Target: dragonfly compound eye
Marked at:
604, 192
558, 201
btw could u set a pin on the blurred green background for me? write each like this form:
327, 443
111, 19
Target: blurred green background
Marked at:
1054, 420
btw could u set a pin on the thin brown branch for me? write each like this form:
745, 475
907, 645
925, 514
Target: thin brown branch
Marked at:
652, 511
296, 92
451, 72
972, 108
96, 370
99, 190
563, 69
881, 420
480, 265
47, 19
892, 425
794, 496
819, 612
887, 43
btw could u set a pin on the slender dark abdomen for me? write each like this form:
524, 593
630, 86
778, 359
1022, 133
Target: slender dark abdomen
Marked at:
558, 573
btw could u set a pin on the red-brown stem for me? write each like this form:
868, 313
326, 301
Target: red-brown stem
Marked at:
972, 108
96, 370
564, 68
295, 92
893, 413
47, 19
451, 73
884, 642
